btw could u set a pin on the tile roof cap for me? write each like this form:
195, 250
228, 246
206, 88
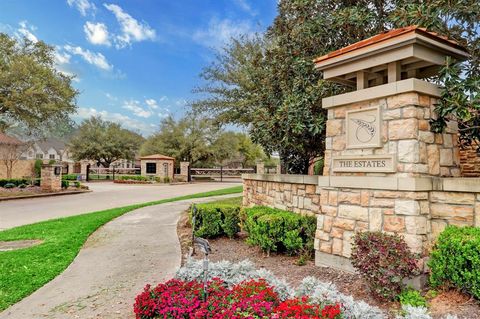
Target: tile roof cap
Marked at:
389, 35
157, 156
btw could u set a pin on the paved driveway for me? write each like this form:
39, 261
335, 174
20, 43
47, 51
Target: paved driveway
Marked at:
104, 196
113, 266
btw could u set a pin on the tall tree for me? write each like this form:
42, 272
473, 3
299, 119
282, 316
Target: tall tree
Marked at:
187, 139
104, 142
460, 100
33, 94
268, 83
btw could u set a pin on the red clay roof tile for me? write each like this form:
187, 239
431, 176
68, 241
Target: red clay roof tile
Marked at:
389, 35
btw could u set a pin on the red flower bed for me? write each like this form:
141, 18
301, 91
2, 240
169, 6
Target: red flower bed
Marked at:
250, 299
120, 181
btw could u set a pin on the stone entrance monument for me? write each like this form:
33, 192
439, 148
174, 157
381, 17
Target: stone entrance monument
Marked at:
384, 169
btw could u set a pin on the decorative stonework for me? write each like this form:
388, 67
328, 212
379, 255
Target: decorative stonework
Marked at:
51, 178
363, 128
405, 134
419, 212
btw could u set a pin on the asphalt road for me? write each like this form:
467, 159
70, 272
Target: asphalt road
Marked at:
104, 196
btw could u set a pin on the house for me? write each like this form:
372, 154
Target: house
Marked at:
11, 165
157, 165
48, 149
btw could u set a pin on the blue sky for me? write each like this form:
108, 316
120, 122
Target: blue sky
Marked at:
135, 61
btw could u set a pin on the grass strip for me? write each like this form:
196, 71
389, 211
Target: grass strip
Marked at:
25, 270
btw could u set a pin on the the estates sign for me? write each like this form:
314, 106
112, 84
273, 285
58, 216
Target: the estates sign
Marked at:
369, 163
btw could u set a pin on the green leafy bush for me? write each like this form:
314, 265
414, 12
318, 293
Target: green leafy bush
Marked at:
383, 260
77, 184
22, 186
166, 180
15, 181
69, 177
278, 230
133, 178
455, 260
412, 297
217, 219
9, 185
65, 184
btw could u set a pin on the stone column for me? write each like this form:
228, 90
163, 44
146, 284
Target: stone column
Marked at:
83, 170
260, 168
51, 178
184, 167
279, 169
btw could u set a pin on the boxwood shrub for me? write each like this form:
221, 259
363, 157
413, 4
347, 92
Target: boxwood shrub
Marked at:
217, 219
15, 181
455, 260
278, 230
69, 177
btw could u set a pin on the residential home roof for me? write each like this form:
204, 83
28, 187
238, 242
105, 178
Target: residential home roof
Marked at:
389, 35
9, 140
157, 157
49, 143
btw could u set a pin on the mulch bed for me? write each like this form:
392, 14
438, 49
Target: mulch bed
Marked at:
283, 266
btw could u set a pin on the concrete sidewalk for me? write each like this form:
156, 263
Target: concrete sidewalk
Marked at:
115, 264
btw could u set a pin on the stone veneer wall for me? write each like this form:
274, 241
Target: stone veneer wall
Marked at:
418, 209
405, 133
303, 198
470, 162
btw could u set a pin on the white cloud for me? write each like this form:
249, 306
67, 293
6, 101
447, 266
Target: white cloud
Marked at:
26, 31
245, 6
125, 121
83, 6
220, 32
96, 59
151, 103
136, 109
132, 29
111, 97
97, 33
61, 57
163, 98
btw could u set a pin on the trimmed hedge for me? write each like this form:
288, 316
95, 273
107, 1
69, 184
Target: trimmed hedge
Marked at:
133, 178
278, 230
14, 181
69, 177
216, 219
455, 260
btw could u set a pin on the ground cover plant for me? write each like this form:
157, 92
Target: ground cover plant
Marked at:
24, 271
455, 260
277, 230
248, 299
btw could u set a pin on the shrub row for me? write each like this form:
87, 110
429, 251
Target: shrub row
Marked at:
278, 230
69, 177
133, 178
455, 259
14, 181
216, 219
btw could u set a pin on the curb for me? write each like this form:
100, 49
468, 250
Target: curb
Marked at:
44, 195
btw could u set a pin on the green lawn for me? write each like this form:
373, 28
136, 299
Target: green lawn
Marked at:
25, 270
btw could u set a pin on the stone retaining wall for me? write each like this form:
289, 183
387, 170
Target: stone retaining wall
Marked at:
416, 208
470, 161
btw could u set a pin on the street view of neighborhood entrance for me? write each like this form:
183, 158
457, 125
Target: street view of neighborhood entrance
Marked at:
239, 159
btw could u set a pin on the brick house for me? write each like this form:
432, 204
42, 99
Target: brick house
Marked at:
157, 165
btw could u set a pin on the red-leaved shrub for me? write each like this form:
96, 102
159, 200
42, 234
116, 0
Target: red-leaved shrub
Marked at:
177, 299
383, 260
